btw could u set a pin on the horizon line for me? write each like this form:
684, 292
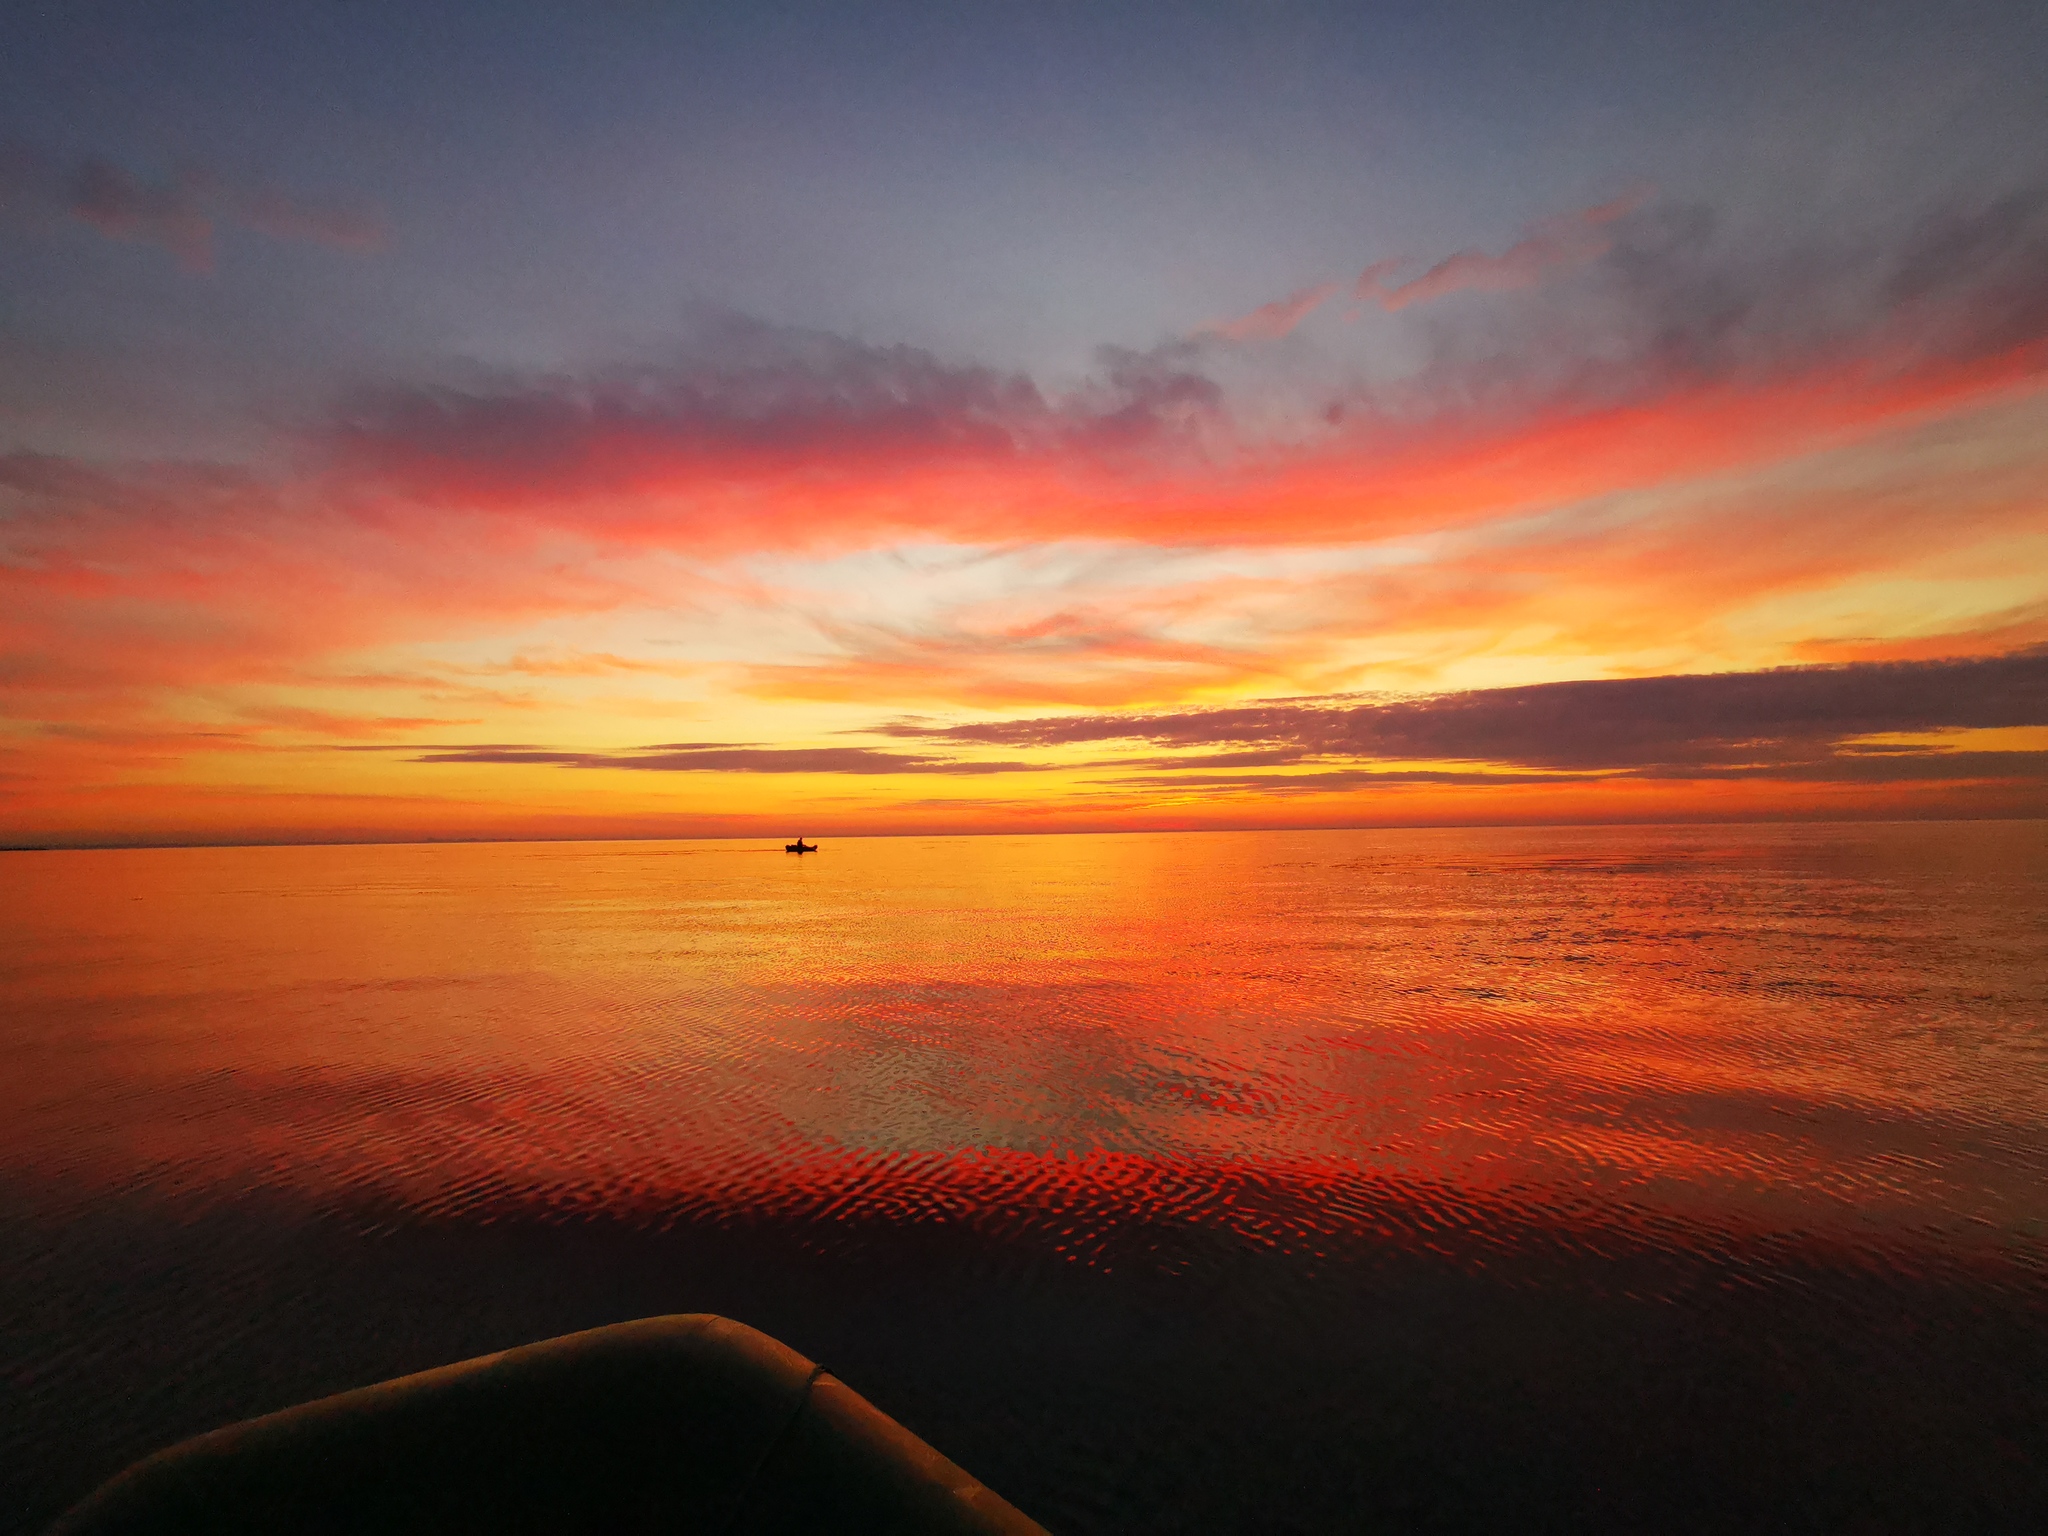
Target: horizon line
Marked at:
1404, 826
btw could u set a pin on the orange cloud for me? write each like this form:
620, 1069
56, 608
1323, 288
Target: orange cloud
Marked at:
328, 723
1788, 722
2012, 629
743, 539
1087, 662
166, 575
646, 484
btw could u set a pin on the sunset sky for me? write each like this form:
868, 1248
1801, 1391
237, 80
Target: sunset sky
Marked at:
636, 419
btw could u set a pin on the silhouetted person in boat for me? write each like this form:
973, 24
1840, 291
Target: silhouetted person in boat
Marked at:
799, 846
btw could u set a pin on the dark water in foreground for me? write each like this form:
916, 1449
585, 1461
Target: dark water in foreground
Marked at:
1624, 1179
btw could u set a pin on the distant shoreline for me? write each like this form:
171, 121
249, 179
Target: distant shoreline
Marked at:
956, 832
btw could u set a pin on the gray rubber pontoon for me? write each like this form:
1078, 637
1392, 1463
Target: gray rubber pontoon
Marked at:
681, 1424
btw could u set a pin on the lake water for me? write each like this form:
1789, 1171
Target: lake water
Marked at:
1626, 1178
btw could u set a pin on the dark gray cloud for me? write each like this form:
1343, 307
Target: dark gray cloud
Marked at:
1954, 281
1668, 297
744, 388
1799, 723
1686, 726
1326, 781
1980, 273
750, 397
1682, 297
1917, 766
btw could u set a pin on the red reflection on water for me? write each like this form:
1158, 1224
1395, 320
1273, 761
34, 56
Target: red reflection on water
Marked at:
1295, 1040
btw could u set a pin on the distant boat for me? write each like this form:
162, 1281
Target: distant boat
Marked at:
799, 846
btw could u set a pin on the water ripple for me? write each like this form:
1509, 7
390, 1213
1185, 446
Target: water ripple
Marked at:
1650, 1066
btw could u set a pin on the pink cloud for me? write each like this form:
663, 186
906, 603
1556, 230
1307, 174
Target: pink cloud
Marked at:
283, 217
1565, 240
180, 215
1271, 321
121, 206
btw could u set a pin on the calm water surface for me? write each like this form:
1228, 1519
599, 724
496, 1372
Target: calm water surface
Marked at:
1673, 1179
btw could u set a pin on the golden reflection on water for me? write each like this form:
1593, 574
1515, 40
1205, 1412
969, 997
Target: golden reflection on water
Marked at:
1299, 1038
